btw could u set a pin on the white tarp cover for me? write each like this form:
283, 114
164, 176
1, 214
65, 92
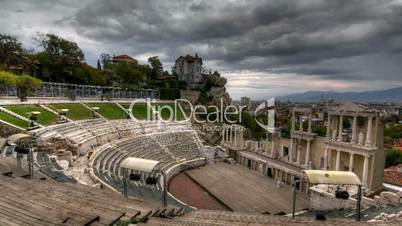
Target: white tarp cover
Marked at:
143, 165
332, 177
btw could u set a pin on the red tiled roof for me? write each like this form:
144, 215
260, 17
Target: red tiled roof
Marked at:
123, 57
393, 175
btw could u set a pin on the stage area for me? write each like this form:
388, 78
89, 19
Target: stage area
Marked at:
186, 190
244, 190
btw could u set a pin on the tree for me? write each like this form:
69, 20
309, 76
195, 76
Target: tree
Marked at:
61, 49
26, 85
156, 67
129, 74
59, 56
105, 60
7, 79
86, 74
11, 50
98, 65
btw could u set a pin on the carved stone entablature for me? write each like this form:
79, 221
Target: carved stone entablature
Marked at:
349, 147
296, 134
351, 109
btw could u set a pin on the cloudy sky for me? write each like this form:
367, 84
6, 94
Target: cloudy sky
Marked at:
264, 48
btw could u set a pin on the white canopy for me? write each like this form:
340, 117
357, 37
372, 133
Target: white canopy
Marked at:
332, 177
143, 165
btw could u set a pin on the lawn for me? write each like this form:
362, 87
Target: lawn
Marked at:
76, 111
109, 110
140, 110
44, 118
13, 120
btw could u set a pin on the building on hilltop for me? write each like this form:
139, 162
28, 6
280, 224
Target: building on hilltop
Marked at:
123, 58
189, 69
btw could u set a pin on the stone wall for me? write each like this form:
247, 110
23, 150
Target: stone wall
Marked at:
190, 95
7, 130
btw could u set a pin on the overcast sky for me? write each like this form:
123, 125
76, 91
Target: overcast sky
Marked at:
264, 48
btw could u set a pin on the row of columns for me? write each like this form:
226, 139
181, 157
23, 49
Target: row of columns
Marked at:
328, 157
354, 139
233, 135
309, 118
277, 174
298, 153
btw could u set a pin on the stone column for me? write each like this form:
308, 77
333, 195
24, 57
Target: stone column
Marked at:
235, 136
338, 160
291, 150
369, 128
351, 162
300, 124
226, 134
272, 146
340, 128
308, 153
354, 129
365, 170
293, 120
309, 123
326, 159
232, 137
241, 138
223, 135
329, 127
298, 150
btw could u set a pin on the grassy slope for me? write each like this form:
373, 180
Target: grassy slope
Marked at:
45, 118
139, 110
12, 120
76, 111
109, 110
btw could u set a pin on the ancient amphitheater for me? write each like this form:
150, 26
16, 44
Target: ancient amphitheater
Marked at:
78, 178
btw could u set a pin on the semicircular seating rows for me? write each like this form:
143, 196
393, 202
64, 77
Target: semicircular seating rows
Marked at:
86, 134
171, 149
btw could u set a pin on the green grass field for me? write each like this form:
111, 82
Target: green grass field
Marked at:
13, 120
140, 110
76, 111
109, 110
44, 118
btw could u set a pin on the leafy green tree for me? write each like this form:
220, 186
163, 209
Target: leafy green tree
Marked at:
7, 79
86, 74
11, 50
129, 74
59, 56
156, 67
25, 84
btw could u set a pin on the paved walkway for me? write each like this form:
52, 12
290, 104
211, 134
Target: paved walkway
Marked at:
245, 190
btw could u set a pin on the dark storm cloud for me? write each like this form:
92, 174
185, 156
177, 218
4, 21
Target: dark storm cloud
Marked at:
338, 40
250, 34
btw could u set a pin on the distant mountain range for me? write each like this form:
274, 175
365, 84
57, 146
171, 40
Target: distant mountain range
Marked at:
388, 95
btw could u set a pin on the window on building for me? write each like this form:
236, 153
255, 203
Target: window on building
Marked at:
285, 151
322, 162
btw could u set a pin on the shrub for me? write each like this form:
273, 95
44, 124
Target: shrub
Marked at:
169, 93
393, 157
